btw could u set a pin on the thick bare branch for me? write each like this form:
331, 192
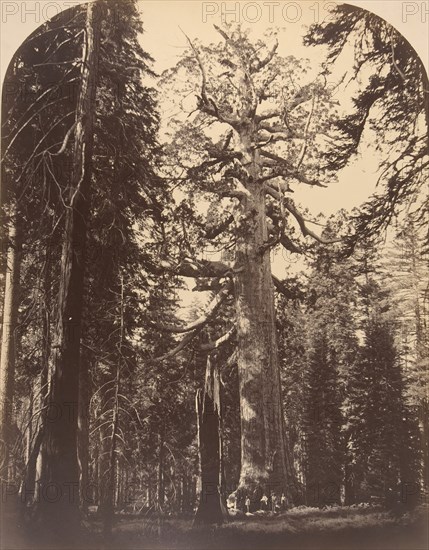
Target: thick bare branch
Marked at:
259, 64
214, 231
207, 314
204, 285
210, 346
279, 237
283, 131
199, 268
289, 205
289, 245
267, 116
280, 185
220, 157
186, 340
289, 169
238, 191
280, 287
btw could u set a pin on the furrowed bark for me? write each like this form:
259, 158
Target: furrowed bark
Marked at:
265, 466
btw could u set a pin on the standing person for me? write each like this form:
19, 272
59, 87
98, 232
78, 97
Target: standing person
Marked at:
273, 502
264, 502
247, 504
283, 502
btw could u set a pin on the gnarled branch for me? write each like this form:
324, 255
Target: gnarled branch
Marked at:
199, 268
289, 169
187, 339
289, 205
208, 313
261, 63
214, 231
210, 346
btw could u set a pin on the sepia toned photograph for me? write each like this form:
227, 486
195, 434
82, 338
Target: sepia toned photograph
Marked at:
214, 275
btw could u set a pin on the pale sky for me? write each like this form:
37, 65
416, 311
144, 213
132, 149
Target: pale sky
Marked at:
164, 39
164, 19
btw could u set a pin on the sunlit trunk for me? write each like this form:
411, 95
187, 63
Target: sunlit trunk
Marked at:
263, 450
9, 326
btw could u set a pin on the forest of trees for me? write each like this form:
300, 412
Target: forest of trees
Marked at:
311, 387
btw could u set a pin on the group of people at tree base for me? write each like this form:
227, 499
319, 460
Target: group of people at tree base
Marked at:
273, 504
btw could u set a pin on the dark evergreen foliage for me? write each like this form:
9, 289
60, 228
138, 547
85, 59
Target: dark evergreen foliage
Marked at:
396, 90
382, 427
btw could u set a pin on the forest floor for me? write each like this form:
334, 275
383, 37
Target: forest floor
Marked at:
335, 528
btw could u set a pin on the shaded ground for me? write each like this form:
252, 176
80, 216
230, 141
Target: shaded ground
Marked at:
336, 528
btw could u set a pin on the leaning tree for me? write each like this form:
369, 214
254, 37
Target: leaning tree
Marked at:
253, 133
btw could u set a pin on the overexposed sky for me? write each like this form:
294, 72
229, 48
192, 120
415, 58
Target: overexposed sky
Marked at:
164, 21
19, 18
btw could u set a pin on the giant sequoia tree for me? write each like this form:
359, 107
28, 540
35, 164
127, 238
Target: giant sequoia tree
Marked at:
254, 133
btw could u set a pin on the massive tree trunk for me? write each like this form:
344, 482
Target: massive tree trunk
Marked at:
250, 170
34, 466
7, 356
263, 449
211, 508
60, 477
